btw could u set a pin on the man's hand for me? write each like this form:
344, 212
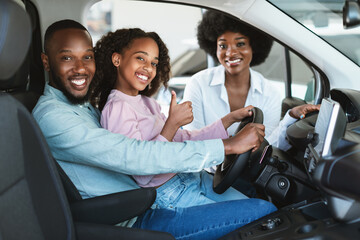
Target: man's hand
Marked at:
249, 138
300, 112
236, 116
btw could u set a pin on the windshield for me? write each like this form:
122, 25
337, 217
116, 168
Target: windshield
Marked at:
325, 18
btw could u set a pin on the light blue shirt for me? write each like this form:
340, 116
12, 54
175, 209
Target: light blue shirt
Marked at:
98, 162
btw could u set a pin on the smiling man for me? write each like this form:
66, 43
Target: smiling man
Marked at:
98, 162
71, 69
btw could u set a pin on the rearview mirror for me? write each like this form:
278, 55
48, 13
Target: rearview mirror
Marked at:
351, 13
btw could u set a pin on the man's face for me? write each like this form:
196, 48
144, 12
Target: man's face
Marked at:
70, 62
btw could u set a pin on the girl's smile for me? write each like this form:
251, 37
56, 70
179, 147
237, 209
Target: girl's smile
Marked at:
142, 77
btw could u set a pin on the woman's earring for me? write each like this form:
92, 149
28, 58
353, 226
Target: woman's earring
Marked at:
149, 86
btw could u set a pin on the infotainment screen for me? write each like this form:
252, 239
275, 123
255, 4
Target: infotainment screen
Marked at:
330, 127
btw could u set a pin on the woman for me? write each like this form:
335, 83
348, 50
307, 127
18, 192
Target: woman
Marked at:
217, 91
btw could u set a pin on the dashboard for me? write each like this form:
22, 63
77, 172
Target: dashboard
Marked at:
315, 189
338, 175
332, 144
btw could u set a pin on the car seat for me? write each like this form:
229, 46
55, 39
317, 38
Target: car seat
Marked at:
14, 65
33, 203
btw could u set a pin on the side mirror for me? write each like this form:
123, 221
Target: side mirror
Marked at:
351, 13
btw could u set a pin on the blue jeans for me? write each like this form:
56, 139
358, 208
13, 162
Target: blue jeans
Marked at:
209, 221
192, 189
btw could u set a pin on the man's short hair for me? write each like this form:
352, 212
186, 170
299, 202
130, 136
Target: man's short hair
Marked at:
59, 25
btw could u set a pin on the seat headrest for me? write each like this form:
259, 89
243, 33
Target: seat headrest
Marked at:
15, 37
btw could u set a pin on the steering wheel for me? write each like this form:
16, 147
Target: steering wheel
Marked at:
227, 172
298, 133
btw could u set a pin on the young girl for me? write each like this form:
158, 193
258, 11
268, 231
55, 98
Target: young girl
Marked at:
131, 66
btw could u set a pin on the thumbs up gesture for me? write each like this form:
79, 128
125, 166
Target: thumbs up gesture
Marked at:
180, 114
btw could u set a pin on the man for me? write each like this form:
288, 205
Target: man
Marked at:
99, 162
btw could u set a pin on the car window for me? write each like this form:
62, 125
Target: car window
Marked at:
175, 24
280, 69
175, 28
327, 20
179, 34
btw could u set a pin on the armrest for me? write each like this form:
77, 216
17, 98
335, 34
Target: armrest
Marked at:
113, 208
89, 231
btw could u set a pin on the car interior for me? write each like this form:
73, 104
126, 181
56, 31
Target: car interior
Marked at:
314, 184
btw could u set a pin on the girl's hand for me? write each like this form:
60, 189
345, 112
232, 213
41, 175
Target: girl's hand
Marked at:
179, 114
236, 116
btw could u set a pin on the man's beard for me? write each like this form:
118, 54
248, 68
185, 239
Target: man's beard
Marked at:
73, 99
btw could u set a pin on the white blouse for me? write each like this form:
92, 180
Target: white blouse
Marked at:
206, 90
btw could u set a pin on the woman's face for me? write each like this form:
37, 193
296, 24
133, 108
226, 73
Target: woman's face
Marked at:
234, 52
136, 66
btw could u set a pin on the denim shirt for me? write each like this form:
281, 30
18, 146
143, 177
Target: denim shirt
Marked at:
98, 162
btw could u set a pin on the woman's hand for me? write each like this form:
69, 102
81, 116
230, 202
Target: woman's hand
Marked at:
179, 115
300, 112
236, 116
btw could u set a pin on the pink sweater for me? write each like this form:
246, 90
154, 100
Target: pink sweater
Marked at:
140, 117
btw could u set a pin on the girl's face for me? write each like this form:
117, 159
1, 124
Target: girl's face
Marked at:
234, 52
136, 67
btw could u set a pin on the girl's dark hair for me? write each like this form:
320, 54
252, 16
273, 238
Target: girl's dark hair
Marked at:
214, 24
106, 73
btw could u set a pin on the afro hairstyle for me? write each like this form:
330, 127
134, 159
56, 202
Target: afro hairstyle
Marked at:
214, 24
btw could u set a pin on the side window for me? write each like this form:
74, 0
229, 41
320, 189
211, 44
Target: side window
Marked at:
284, 67
176, 24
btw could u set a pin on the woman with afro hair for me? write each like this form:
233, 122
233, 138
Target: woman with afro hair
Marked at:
233, 84
131, 65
